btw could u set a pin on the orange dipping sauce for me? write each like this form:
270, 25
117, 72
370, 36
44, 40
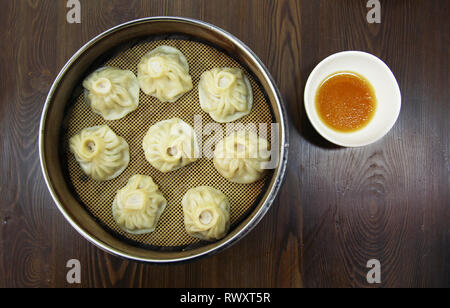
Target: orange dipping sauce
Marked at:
346, 101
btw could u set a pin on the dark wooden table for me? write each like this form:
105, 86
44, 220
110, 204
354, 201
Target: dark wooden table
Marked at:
338, 207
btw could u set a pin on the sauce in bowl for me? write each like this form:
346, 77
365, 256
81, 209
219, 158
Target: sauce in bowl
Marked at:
346, 102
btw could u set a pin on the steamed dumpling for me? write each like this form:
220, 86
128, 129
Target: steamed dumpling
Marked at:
111, 92
170, 145
100, 152
139, 205
164, 74
226, 94
242, 157
206, 213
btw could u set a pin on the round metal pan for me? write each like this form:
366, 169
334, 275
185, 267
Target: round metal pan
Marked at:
58, 103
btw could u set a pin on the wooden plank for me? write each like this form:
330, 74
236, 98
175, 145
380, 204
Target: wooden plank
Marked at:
338, 208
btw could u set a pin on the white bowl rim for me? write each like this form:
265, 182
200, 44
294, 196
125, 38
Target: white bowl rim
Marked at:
310, 110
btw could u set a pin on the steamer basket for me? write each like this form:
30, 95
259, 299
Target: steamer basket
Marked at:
86, 204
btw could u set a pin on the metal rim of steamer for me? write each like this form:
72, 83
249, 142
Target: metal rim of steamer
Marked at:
279, 174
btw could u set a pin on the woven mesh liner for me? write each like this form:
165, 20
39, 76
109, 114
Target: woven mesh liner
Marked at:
98, 197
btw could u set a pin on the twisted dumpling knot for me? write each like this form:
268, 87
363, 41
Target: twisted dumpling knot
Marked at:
170, 145
139, 205
206, 213
100, 152
242, 157
112, 92
226, 94
164, 74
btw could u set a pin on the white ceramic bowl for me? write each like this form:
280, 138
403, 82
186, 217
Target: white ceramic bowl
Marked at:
386, 89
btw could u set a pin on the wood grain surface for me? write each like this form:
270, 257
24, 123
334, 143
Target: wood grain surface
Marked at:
338, 208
